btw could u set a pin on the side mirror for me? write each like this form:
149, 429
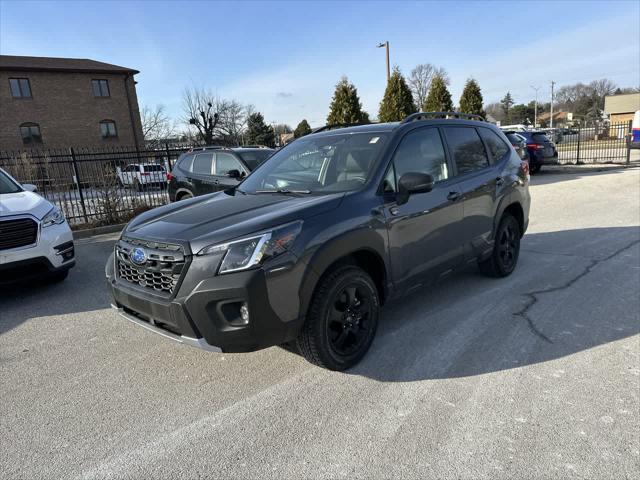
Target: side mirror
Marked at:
29, 187
413, 182
234, 174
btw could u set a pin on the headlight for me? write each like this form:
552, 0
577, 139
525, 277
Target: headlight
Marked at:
54, 217
248, 252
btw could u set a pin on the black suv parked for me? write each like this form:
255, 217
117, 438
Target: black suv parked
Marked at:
211, 169
310, 245
541, 150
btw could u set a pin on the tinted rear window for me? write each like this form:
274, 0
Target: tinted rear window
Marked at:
466, 148
153, 168
539, 138
255, 157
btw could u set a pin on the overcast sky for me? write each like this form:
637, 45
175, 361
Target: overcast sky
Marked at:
285, 57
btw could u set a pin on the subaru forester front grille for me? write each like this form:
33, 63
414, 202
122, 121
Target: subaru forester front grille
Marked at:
152, 265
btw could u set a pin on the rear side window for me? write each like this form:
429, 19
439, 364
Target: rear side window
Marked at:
513, 138
203, 163
497, 148
466, 148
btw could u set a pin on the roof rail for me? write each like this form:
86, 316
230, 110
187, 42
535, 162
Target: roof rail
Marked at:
429, 115
337, 125
207, 147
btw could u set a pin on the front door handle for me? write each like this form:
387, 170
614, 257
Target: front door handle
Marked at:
453, 196
499, 181
394, 211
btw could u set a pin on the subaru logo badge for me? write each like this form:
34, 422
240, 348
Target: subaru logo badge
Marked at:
138, 256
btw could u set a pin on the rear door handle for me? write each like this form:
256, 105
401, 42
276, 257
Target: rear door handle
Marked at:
453, 196
499, 181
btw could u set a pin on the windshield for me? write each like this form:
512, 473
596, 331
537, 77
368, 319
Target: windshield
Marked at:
329, 163
253, 158
7, 185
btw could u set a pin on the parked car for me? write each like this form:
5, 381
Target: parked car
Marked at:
542, 151
519, 143
35, 239
210, 169
143, 175
307, 248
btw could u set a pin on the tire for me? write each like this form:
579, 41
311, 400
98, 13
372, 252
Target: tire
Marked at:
506, 249
342, 319
185, 196
535, 169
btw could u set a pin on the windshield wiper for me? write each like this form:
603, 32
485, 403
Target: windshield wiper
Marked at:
284, 191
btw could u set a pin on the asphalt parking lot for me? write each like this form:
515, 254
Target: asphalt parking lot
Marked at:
533, 376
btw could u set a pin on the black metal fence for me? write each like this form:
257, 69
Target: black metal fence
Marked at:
599, 144
92, 186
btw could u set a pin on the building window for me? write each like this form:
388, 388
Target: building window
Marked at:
108, 129
100, 88
20, 87
30, 133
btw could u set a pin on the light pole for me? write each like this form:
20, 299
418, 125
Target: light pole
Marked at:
535, 107
386, 44
551, 118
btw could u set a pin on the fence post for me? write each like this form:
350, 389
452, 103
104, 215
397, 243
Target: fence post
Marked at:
76, 174
578, 150
166, 147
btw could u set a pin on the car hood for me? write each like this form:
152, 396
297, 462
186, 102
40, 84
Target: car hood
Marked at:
23, 203
222, 216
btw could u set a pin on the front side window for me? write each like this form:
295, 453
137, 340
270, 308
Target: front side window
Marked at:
497, 148
226, 162
20, 87
339, 162
203, 163
422, 151
100, 88
466, 148
108, 129
30, 133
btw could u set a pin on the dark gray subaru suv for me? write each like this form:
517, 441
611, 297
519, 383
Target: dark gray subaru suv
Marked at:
313, 242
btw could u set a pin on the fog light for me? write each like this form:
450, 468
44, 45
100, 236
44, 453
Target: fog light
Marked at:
244, 312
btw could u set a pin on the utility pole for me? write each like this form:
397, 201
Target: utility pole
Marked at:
386, 44
535, 107
551, 118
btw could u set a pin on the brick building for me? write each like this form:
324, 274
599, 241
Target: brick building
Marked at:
62, 102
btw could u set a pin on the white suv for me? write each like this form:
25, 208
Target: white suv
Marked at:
35, 239
143, 175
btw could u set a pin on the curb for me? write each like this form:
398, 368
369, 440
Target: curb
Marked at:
90, 232
588, 168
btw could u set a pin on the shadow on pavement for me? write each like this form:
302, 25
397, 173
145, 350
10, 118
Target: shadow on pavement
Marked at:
548, 175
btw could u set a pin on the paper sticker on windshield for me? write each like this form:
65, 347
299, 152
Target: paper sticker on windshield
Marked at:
374, 139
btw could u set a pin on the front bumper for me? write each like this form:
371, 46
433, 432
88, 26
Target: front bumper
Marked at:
53, 252
205, 313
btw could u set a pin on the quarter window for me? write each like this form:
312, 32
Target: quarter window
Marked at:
30, 133
203, 163
497, 147
100, 88
466, 149
421, 151
226, 162
20, 87
108, 129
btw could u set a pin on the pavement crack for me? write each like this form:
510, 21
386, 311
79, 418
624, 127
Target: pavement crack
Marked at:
532, 296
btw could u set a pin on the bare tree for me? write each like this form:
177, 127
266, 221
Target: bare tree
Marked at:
156, 124
232, 120
200, 110
420, 81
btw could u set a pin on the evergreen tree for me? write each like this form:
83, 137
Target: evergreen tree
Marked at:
302, 129
397, 102
345, 105
471, 98
258, 132
439, 98
506, 103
